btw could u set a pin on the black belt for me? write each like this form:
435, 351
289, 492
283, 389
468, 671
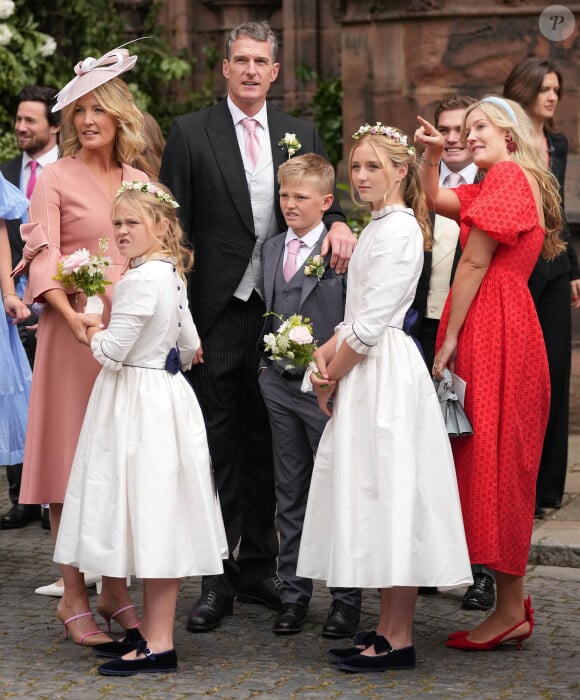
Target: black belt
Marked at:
293, 376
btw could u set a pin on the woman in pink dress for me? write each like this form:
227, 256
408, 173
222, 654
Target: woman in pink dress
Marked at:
70, 209
490, 335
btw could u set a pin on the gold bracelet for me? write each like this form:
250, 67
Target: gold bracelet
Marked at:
9, 294
431, 163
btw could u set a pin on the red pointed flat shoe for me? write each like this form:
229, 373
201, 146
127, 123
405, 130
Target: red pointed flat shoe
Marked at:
467, 645
459, 633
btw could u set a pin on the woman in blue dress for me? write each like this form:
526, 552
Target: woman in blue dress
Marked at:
15, 373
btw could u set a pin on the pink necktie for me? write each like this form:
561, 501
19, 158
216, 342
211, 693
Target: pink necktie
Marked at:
453, 180
252, 142
294, 245
31, 179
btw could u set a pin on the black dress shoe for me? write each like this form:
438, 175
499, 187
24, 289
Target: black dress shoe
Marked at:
481, 594
113, 650
19, 516
265, 592
208, 611
290, 619
392, 659
539, 512
342, 621
165, 662
45, 519
362, 641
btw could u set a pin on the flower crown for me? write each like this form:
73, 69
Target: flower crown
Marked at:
148, 188
390, 132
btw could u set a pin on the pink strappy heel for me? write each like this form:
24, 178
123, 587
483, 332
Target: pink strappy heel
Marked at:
66, 623
107, 618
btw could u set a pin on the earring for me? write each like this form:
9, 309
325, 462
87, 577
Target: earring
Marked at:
511, 145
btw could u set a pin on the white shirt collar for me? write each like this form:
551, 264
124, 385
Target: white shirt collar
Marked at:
310, 239
237, 115
468, 173
43, 160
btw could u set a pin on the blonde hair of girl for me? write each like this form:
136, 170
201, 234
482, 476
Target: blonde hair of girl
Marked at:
399, 153
153, 202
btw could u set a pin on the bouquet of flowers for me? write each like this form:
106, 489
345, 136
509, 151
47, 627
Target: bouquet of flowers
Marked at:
85, 272
292, 343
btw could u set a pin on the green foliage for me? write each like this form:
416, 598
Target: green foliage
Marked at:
326, 109
8, 147
356, 217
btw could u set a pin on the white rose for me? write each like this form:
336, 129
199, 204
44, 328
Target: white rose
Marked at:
48, 48
5, 35
270, 340
300, 335
6, 8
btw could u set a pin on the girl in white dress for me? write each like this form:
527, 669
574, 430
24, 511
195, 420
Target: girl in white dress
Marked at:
383, 509
140, 498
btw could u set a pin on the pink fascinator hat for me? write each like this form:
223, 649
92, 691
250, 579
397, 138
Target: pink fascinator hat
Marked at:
93, 72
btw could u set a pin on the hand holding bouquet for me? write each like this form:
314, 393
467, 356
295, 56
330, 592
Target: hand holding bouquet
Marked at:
294, 344
85, 272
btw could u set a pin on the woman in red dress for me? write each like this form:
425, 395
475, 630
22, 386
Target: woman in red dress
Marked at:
490, 336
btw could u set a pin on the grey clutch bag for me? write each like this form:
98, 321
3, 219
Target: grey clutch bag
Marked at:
456, 422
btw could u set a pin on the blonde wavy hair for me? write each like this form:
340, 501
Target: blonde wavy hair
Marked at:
150, 208
116, 99
527, 156
398, 153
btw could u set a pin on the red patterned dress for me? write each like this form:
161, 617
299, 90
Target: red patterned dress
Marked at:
502, 357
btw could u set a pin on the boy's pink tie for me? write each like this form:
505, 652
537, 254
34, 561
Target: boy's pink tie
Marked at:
252, 141
31, 179
290, 265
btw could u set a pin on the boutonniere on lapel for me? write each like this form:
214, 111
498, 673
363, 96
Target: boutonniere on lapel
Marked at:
315, 267
290, 143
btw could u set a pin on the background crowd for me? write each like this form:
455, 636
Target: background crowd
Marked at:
493, 171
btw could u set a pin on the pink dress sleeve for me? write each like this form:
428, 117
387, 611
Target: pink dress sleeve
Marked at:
43, 236
504, 206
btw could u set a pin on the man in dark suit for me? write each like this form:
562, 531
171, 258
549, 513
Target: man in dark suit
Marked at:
36, 129
220, 164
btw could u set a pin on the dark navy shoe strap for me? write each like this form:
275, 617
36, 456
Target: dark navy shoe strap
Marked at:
381, 644
142, 648
364, 639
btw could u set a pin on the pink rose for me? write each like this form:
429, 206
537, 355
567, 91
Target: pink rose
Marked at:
300, 336
73, 262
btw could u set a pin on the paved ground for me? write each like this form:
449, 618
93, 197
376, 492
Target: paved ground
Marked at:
243, 659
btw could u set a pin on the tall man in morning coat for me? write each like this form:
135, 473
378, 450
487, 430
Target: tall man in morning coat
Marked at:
229, 206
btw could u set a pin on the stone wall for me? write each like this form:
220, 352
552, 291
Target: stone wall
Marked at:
397, 58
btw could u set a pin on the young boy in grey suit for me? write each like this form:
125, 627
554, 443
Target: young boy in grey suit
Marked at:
306, 192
